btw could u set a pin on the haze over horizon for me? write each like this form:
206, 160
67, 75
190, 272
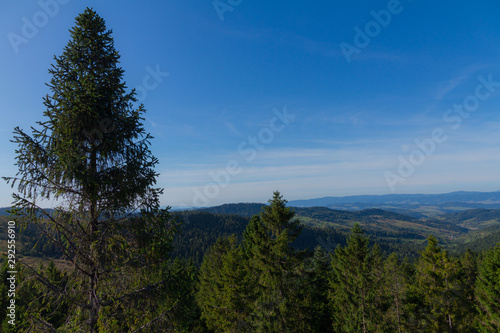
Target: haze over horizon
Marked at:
313, 100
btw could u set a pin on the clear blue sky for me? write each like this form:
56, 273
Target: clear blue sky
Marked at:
360, 92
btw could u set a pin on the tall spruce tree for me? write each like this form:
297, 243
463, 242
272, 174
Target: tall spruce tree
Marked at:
91, 154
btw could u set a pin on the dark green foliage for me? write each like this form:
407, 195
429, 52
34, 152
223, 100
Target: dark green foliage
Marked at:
488, 291
34, 307
310, 237
438, 277
182, 276
241, 209
320, 269
394, 289
353, 285
263, 287
280, 301
167, 306
468, 276
223, 289
200, 230
91, 153
38, 244
264, 284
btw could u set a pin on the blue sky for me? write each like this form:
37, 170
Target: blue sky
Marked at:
267, 98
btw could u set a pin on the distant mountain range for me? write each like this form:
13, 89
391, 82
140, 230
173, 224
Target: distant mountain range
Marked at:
486, 198
416, 205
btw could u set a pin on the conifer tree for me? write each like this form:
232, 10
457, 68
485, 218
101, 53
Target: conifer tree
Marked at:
381, 299
353, 289
222, 289
277, 277
91, 154
438, 280
395, 288
321, 268
488, 291
468, 277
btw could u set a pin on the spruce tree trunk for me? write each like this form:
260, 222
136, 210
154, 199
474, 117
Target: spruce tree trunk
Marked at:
397, 313
93, 301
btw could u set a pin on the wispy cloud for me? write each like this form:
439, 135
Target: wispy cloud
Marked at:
349, 169
449, 86
233, 129
446, 86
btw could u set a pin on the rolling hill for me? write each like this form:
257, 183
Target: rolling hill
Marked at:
473, 219
376, 222
394, 231
454, 230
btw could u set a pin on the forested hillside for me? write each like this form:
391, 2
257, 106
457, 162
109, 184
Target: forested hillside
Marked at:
325, 227
455, 230
473, 219
394, 232
334, 281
